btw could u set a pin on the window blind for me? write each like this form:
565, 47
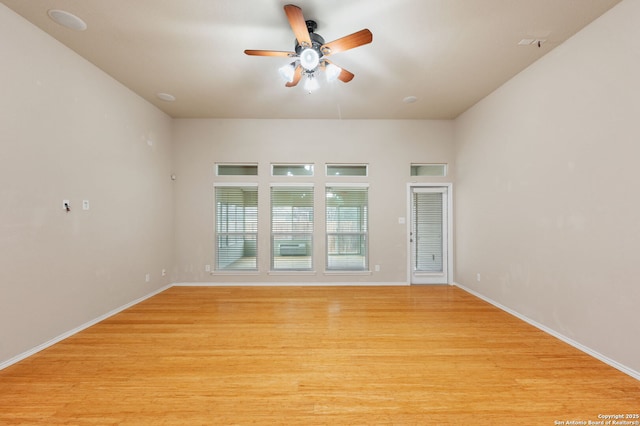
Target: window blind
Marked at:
347, 228
428, 211
236, 228
292, 228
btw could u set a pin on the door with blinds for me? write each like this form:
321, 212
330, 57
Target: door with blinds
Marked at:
428, 236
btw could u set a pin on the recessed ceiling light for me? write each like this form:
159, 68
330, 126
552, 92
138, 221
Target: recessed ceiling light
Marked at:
166, 97
66, 19
409, 99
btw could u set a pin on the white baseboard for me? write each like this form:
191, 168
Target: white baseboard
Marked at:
633, 373
84, 326
287, 284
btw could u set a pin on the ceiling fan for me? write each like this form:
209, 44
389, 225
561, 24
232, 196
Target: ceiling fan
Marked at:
311, 51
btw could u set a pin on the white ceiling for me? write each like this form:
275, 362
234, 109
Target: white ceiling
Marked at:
447, 53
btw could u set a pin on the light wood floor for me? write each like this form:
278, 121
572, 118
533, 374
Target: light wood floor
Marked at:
320, 355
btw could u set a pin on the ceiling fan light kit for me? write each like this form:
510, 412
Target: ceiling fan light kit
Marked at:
311, 83
332, 72
311, 50
287, 72
309, 59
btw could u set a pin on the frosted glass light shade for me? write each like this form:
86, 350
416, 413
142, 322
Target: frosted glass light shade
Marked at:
311, 84
287, 72
332, 72
309, 59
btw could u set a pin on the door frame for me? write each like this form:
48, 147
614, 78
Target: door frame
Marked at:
449, 251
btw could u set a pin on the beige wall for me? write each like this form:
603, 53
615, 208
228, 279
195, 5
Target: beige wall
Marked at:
68, 131
548, 191
388, 146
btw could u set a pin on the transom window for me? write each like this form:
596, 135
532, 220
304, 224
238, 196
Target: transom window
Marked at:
292, 169
428, 169
347, 170
236, 169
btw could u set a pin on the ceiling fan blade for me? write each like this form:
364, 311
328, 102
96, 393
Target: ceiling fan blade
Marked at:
344, 76
270, 53
298, 24
296, 77
347, 42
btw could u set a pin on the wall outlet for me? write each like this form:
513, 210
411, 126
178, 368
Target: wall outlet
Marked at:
85, 204
147, 277
164, 272
376, 268
207, 268
478, 277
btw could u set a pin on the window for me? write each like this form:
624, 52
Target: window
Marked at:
236, 227
291, 228
292, 169
347, 170
428, 169
347, 226
236, 169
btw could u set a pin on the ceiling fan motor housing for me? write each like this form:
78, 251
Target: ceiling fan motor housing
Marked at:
316, 39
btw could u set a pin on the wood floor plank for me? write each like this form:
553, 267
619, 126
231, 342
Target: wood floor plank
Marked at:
312, 355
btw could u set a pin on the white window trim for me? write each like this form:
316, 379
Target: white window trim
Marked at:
235, 184
291, 184
346, 185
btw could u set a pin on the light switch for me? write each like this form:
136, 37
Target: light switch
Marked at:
85, 204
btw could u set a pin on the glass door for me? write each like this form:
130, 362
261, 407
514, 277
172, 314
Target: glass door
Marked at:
428, 236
